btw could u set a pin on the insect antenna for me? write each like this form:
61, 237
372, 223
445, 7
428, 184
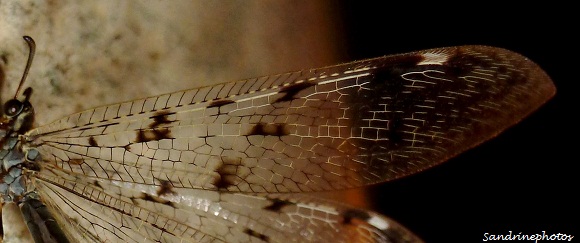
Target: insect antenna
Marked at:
32, 49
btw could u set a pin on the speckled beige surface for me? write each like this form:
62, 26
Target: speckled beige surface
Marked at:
92, 53
99, 52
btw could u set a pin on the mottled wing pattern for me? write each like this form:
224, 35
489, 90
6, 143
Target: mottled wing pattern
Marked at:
106, 211
154, 164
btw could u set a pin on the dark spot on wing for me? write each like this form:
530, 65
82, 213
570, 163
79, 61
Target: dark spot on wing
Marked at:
161, 118
219, 103
223, 182
398, 66
257, 235
266, 129
93, 142
387, 81
291, 90
461, 64
227, 173
277, 205
165, 188
147, 197
384, 101
154, 134
352, 215
97, 184
76, 161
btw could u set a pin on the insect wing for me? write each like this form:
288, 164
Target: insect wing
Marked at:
108, 212
332, 128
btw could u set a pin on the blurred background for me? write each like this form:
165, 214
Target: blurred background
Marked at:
93, 53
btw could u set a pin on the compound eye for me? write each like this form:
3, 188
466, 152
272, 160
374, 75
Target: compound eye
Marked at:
13, 107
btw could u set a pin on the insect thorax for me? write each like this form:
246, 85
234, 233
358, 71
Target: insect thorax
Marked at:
17, 161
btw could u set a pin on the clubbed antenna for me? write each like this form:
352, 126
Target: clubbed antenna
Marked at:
32, 48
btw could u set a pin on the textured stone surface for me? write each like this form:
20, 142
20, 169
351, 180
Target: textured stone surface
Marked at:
99, 52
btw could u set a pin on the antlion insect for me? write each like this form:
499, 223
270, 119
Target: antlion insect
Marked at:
228, 163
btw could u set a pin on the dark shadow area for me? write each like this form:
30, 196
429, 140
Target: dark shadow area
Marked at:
525, 179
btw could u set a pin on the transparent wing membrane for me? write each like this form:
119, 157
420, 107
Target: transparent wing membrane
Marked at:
196, 215
227, 163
